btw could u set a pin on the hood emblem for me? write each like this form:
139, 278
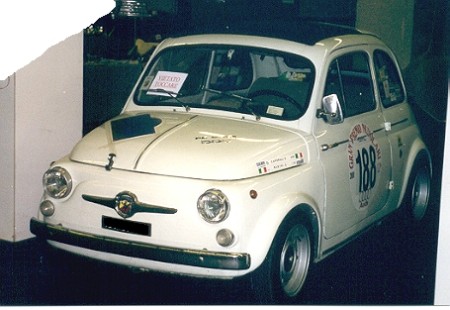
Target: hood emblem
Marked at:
124, 203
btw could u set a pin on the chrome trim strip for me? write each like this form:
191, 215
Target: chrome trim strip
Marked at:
326, 147
198, 258
400, 122
137, 206
378, 130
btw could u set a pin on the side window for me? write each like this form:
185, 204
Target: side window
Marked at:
388, 80
349, 78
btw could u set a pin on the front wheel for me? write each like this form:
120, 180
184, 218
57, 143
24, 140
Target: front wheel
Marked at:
284, 271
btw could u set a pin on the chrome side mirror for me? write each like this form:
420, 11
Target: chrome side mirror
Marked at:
331, 111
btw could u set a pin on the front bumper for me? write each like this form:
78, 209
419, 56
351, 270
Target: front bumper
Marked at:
198, 258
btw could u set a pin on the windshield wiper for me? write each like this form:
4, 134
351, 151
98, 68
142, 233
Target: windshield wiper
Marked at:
220, 92
171, 94
243, 99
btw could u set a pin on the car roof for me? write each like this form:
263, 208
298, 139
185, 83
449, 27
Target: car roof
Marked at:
299, 31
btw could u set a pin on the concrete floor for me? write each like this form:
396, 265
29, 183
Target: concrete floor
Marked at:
391, 265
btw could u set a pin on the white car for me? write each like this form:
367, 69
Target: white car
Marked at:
243, 153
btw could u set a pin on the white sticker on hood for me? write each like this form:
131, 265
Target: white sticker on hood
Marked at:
280, 163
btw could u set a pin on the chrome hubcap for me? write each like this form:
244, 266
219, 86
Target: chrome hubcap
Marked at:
295, 257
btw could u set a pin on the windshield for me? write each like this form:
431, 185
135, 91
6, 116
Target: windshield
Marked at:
247, 80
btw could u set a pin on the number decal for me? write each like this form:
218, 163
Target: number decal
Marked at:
364, 163
367, 166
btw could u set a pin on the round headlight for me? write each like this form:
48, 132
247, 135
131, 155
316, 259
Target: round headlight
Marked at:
213, 206
57, 182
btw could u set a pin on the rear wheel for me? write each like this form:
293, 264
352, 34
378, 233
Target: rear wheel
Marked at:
283, 273
418, 191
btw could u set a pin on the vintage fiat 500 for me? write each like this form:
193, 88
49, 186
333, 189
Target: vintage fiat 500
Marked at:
256, 153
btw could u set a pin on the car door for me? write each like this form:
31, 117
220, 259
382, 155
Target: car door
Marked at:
396, 112
355, 153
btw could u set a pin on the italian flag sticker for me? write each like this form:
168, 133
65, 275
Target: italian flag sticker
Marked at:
262, 167
298, 157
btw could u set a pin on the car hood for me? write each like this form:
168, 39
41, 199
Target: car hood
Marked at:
193, 146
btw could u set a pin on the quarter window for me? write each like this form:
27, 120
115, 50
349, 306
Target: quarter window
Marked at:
388, 80
349, 78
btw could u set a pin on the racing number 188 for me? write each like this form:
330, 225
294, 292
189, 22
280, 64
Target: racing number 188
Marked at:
367, 162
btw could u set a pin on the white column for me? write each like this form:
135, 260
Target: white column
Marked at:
7, 151
42, 120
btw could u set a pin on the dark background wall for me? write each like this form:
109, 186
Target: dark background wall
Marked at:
112, 63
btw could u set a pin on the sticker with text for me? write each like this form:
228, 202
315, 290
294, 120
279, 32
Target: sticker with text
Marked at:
215, 139
280, 163
364, 163
167, 83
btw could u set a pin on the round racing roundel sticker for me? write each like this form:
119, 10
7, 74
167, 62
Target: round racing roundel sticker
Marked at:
364, 163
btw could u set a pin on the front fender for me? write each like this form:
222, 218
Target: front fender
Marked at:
269, 222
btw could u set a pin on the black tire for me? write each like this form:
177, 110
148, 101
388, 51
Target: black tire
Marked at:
418, 191
281, 277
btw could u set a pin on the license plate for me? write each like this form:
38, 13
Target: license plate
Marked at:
125, 226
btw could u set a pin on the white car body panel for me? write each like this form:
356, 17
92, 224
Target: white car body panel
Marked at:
231, 143
303, 163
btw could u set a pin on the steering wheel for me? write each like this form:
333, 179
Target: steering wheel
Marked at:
276, 93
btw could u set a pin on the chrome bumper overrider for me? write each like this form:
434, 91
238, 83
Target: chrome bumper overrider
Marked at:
199, 258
